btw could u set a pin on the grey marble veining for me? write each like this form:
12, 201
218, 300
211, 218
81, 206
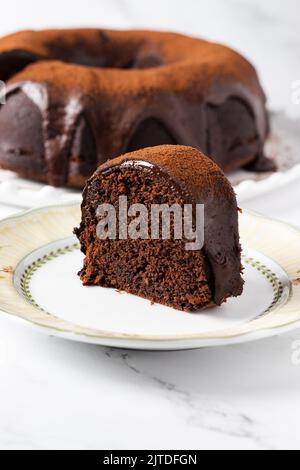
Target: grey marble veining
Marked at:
202, 411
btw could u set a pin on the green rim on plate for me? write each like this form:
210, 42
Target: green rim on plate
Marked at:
33, 267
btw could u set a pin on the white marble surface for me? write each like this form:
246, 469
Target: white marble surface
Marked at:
55, 394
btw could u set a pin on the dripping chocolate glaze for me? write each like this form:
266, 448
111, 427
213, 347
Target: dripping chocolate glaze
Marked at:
177, 80
199, 181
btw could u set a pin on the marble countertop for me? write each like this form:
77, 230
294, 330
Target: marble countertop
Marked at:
56, 394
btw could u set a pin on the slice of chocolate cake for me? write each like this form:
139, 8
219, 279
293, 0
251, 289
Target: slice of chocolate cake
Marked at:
162, 223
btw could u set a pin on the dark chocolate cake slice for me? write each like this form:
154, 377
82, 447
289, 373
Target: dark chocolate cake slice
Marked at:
163, 270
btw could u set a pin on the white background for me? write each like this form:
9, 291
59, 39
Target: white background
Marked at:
55, 394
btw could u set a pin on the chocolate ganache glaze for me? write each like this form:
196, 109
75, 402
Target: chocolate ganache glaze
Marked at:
195, 179
76, 98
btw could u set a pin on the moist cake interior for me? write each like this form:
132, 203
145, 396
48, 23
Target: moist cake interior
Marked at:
160, 270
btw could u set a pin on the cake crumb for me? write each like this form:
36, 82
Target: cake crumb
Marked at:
7, 269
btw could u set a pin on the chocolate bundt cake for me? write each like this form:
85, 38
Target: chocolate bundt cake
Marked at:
76, 98
159, 268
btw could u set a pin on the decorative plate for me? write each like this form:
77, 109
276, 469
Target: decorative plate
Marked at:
39, 261
283, 146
